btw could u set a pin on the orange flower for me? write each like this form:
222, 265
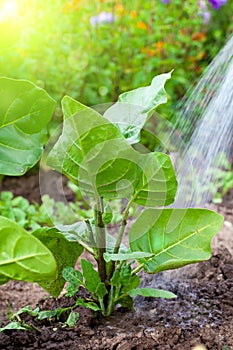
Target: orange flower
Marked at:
71, 6
151, 52
159, 46
199, 36
119, 9
133, 14
142, 25
148, 51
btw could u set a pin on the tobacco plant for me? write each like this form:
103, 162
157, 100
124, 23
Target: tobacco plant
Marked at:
101, 155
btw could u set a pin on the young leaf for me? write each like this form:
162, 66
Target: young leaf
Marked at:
148, 97
15, 325
101, 290
133, 282
116, 279
135, 107
91, 276
125, 274
75, 279
22, 256
152, 292
26, 309
65, 253
176, 237
48, 314
25, 110
89, 304
72, 319
128, 281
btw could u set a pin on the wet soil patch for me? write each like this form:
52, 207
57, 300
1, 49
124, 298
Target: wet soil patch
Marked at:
201, 314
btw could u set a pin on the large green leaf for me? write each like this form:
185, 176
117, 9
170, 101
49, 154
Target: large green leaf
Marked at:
135, 107
4, 279
93, 154
19, 151
25, 105
176, 237
25, 111
65, 253
22, 256
147, 178
157, 183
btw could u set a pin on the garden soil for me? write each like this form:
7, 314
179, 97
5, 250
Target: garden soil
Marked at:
202, 314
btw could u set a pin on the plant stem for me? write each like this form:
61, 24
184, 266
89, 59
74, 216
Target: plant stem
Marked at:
91, 234
111, 302
100, 241
101, 301
85, 246
102, 204
137, 269
120, 236
122, 228
31, 327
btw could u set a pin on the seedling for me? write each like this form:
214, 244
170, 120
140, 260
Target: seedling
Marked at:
97, 153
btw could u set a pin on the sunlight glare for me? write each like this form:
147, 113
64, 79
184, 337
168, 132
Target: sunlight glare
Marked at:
9, 10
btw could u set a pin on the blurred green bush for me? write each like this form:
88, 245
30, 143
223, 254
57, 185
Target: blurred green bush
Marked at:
94, 50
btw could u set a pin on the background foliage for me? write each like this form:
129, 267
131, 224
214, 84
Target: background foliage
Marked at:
94, 50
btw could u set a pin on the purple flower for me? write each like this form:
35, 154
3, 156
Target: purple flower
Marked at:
103, 17
202, 5
94, 21
216, 4
206, 17
165, 1
204, 11
106, 17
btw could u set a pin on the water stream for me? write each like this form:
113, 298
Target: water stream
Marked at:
206, 120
